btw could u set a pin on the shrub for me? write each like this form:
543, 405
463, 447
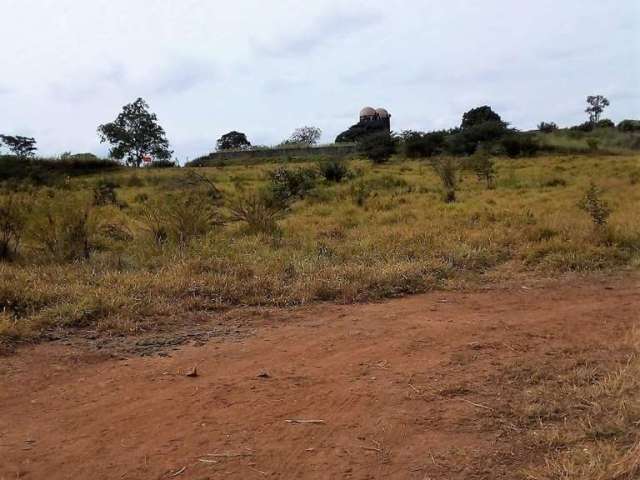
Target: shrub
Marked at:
423, 145
180, 218
258, 212
605, 123
519, 144
484, 167
447, 170
162, 164
360, 192
593, 143
378, 147
583, 127
596, 207
12, 225
333, 170
63, 228
288, 184
104, 193
547, 127
629, 126
468, 140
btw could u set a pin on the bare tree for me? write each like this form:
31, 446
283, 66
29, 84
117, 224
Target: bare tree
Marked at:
304, 136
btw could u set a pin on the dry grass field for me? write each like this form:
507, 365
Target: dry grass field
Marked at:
546, 374
171, 242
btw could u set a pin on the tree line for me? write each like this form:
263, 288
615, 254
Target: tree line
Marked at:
136, 137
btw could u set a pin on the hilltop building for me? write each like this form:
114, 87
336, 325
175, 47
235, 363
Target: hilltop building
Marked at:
371, 121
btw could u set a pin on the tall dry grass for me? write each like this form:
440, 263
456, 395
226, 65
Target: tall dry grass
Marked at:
167, 246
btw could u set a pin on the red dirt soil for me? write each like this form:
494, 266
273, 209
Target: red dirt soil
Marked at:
406, 389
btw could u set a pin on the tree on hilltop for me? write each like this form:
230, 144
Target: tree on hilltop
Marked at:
135, 134
22, 147
479, 115
304, 136
597, 104
233, 141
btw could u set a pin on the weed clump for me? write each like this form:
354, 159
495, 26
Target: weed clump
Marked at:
12, 225
447, 170
597, 208
289, 184
333, 170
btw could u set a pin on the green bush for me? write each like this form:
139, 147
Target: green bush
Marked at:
180, 218
12, 224
257, 211
595, 206
447, 170
378, 147
63, 227
288, 184
162, 164
519, 145
629, 126
468, 140
583, 127
423, 145
333, 170
605, 123
104, 193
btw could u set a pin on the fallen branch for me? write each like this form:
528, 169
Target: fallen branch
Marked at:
230, 455
179, 472
306, 421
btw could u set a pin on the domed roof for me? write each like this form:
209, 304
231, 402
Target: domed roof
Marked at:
367, 112
382, 113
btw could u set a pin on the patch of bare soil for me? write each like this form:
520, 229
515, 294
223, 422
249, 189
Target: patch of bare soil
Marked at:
414, 388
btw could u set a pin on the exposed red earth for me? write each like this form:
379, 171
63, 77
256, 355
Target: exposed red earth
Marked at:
410, 388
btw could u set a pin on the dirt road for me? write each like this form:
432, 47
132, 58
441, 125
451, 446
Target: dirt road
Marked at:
411, 388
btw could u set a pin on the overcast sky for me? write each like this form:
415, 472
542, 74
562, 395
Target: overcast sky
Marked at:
265, 67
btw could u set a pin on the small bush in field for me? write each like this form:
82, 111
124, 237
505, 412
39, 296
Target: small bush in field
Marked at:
447, 169
519, 145
595, 206
12, 225
180, 218
258, 211
378, 147
484, 167
104, 193
162, 164
63, 229
289, 184
360, 192
333, 170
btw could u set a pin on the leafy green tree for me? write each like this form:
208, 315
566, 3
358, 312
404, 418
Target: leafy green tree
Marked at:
596, 105
233, 141
22, 147
378, 147
479, 115
135, 134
